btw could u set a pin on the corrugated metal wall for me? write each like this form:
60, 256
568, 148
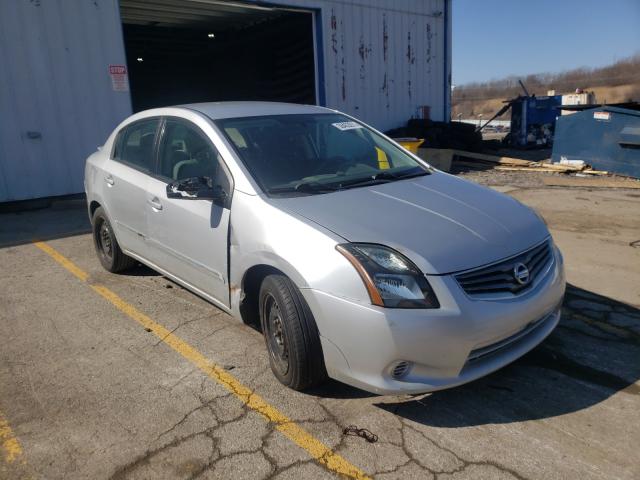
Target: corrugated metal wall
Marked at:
384, 58
54, 82
380, 60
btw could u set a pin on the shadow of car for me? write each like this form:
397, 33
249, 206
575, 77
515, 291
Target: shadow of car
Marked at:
593, 354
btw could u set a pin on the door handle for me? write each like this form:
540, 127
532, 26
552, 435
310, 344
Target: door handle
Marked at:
109, 180
155, 203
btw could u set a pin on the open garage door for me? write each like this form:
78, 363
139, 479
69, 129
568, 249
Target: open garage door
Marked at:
184, 51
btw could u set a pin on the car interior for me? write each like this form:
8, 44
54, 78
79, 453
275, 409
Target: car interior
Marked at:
185, 153
281, 155
137, 148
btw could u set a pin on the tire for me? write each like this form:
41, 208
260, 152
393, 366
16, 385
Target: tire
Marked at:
291, 334
107, 248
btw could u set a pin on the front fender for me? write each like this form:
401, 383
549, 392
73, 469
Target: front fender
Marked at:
262, 234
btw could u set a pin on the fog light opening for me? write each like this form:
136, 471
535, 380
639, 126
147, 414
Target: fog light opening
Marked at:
401, 369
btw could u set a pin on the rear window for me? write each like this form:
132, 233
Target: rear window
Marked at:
135, 143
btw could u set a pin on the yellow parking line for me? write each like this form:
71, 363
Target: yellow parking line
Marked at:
11, 448
286, 426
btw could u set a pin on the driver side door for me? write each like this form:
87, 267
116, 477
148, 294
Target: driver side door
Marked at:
189, 237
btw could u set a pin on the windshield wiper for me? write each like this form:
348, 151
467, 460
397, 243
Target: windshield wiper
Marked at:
372, 180
421, 173
316, 187
305, 187
382, 177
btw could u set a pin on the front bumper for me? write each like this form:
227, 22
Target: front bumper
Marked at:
461, 341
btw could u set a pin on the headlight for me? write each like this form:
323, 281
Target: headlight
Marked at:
392, 280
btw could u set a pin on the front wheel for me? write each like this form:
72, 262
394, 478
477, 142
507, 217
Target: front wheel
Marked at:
291, 334
109, 253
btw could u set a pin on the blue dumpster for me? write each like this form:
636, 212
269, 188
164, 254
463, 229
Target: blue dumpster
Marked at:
605, 137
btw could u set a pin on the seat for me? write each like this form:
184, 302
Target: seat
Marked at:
188, 169
278, 158
140, 155
177, 160
204, 163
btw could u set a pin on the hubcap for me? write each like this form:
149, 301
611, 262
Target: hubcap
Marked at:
276, 337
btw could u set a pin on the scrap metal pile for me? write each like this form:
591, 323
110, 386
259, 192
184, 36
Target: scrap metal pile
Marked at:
482, 161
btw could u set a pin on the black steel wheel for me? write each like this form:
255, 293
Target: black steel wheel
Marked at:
291, 334
105, 241
275, 335
109, 253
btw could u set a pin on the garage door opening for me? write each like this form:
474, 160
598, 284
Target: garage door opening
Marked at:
184, 51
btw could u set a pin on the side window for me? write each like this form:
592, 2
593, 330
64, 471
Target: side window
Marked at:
134, 145
185, 152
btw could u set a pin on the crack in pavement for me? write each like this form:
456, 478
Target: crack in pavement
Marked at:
182, 324
465, 463
252, 403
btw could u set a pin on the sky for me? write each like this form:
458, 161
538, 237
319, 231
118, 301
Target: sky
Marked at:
496, 38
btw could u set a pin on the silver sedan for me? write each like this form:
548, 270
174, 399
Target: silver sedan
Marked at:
358, 260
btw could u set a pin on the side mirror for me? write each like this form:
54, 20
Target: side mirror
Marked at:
197, 188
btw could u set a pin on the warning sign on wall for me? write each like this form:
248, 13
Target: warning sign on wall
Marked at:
119, 78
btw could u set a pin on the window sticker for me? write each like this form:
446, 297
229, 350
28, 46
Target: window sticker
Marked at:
346, 125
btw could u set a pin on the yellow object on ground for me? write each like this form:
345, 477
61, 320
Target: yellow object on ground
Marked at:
411, 144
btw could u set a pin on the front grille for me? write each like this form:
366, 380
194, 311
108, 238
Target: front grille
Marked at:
500, 278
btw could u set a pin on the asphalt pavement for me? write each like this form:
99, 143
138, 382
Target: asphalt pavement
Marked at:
132, 377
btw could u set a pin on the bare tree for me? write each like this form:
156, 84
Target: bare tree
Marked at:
622, 72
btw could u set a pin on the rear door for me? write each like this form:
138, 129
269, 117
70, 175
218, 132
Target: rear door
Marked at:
126, 177
188, 238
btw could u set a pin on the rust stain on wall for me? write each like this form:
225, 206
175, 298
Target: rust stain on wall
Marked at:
411, 54
334, 33
385, 88
337, 47
363, 51
385, 56
429, 39
385, 38
411, 59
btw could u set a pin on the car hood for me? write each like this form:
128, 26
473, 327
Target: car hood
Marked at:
442, 223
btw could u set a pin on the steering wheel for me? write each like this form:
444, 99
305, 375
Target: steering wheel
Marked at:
336, 160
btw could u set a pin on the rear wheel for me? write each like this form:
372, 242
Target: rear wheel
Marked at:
291, 334
109, 253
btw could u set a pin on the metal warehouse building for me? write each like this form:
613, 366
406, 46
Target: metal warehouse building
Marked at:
71, 70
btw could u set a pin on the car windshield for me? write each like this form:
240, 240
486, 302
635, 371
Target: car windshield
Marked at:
306, 154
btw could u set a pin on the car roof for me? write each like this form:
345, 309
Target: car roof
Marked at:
218, 110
